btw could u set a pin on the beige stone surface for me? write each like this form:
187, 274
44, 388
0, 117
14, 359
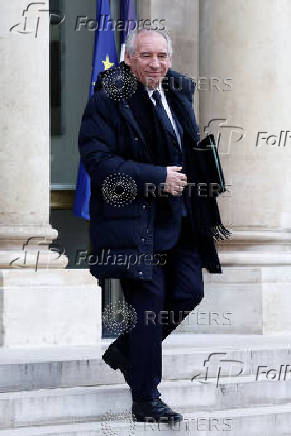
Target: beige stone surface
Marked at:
25, 136
24, 120
248, 41
47, 308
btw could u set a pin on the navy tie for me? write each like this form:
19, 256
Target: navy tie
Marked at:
163, 116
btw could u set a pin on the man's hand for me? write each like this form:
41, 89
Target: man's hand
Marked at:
175, 181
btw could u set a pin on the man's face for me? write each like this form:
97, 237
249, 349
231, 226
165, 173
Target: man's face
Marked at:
150, 61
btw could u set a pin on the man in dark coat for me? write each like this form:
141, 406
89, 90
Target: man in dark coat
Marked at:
138, 141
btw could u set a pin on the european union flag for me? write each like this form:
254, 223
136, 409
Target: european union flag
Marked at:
104, 58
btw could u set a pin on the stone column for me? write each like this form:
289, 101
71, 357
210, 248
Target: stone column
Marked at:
247, 42
38, 296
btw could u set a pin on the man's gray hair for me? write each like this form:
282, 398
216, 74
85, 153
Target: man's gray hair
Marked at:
133, 34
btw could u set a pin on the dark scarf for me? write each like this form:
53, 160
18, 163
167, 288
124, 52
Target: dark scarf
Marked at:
205, 212
158, 143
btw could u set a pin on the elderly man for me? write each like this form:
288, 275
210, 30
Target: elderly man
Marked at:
145, 145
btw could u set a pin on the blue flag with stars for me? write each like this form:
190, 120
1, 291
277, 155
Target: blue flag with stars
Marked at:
104, 58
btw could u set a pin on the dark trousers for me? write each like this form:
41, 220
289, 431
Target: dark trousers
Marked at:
161, 304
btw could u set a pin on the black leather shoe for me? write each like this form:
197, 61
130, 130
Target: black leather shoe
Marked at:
116, 360
154, 411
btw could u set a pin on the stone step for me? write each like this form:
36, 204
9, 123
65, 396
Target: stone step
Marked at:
263, 421
184, 356
47, 406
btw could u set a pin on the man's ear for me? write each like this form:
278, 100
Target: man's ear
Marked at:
127, 58
170, 62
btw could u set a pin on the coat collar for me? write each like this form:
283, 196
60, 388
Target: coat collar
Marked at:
180, 85
177, 87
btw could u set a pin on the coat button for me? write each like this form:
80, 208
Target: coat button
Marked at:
143, 206
140, 273
142, 239
136, 138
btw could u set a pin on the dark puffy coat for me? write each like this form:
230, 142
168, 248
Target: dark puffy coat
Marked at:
112, 144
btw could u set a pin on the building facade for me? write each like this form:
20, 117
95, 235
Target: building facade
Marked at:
51, 307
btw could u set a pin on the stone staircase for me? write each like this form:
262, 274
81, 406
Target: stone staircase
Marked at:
223, 384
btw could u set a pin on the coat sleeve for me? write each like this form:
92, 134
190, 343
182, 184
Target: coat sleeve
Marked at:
97, 148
